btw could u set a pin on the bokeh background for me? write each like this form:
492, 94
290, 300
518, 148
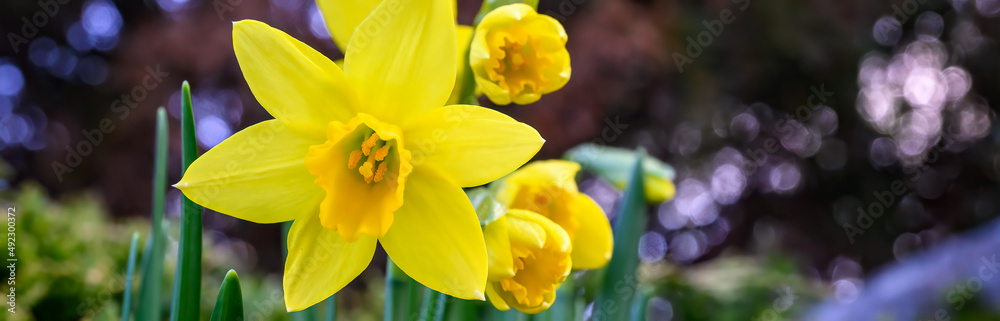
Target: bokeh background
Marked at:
783, 125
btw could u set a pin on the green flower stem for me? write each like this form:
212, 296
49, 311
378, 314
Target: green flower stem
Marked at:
331, 308
397, 298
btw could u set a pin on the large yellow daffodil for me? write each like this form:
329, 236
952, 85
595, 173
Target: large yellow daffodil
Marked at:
549, 188
519, 55
343, 17
363, 155
529, 257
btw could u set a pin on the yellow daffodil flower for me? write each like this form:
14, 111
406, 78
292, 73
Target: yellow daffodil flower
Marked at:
549, 188
343, 17
519, 55
529, 257
363, 155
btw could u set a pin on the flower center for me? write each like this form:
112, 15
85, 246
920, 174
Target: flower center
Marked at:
362, 196
517, 65
537, 273
373, 150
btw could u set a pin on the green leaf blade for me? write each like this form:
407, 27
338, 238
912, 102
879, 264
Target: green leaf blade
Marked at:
152, 271
229, 303
129, 277
612, 303
187, 282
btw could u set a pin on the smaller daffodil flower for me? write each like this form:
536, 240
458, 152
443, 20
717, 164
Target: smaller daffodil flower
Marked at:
519, 55
549, 188
529, 257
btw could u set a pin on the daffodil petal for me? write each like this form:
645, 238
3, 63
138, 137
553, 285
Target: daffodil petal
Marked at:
472, 145
593, 241
495, 298
320, 262
526, 228
256, 175
501, 263
436, 237
343, 17
404, 64
557, 172
295, 83
464, 36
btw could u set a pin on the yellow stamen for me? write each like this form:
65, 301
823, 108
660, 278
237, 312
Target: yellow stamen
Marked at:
381, 153
517, 60
366, 146
353, 161
380, 173
366, 170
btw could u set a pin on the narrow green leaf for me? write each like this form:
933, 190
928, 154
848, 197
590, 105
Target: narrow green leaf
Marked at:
397, 298
489, 5
638, 309
229, 303
187, 281
612, 303
129, 276
331, 308
459, 309
152, 274
440, 306
413, 291
433, 305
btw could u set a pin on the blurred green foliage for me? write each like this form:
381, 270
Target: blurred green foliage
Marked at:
72, 260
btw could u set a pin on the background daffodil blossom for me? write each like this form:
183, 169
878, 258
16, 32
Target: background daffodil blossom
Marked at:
549, 188
343, 17
529, 257
363, 155
518, 55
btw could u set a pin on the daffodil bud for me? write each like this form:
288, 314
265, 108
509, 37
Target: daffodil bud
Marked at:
518, 55
529, 257
612, 164
549, 189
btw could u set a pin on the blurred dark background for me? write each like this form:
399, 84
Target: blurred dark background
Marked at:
781, 123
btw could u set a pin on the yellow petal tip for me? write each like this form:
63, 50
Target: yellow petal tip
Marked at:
480, 296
